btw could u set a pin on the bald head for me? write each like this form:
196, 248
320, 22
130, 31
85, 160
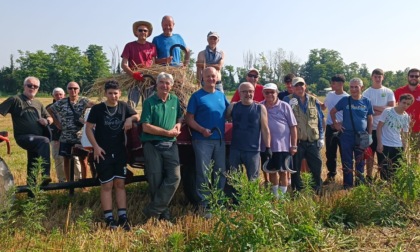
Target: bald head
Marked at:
246, 93
167, 25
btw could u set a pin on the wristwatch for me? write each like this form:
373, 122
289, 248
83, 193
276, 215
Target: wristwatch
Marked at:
293, 147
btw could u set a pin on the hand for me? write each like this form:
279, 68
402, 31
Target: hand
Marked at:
380, 148
268, 152
293, 150
206, 133
138, 76
128, 124
43, 121
98, 153
370, 139
320, 143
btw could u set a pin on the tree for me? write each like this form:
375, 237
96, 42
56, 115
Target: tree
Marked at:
98, 63
36, 64
228, 77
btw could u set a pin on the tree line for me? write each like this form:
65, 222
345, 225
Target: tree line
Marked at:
66, 63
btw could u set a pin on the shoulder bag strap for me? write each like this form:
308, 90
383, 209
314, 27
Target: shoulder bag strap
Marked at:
351, 116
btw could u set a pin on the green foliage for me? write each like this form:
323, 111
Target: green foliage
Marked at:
406, 182
85, 221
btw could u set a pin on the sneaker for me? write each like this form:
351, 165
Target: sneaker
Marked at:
329, 181
124, 223
111, 223
165, 215
46, 181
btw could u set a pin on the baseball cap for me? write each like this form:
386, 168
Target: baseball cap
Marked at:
297, 80
212, 34
270, 86
253, 70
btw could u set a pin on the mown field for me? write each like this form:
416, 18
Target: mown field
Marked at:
379, 217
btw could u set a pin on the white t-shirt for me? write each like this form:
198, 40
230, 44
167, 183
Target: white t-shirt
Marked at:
330, 101
394, 123
379, 97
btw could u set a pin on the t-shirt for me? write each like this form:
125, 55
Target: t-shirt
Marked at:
280, 119
258, 94
414, 109
163, 44
25, 114
209, 111
330, 101
109, 132
137, 53
66, 116
394, 123
378, 97
360, 110
246, 127
283, 94
161, 114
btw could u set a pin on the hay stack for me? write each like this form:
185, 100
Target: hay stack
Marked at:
184, 82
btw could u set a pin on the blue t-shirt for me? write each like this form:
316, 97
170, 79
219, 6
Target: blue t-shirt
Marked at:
360, 110
163, 44
209, 111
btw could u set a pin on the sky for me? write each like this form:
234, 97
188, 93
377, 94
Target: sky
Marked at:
381, 34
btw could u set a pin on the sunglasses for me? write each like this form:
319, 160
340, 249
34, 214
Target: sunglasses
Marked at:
253, 76
142, 30
414, 76
72, 88
32, 86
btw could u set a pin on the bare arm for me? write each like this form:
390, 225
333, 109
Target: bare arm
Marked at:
55, 120
187, 57
293, 139
98, 152
189, 118
379, 109
379, 146
337, 125
229, 111
265, 131
200, 64
125, 67
158, 131
369, 123
128, 124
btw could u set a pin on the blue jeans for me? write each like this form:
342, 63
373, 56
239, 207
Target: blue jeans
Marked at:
250, 159
205, 151
348, 150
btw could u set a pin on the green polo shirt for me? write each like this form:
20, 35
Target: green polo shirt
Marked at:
160, 114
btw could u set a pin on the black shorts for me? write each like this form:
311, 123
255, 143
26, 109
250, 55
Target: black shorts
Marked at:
114, 166
65, 149
277, 161
374, 142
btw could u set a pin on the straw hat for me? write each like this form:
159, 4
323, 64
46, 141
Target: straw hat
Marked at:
145, 23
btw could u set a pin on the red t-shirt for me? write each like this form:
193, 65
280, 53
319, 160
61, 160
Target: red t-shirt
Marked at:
258, 94
414, 109
137, 54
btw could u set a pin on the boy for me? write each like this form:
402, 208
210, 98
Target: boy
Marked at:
392, 124
110, 119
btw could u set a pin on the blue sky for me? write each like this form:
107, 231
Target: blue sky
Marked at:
380, 34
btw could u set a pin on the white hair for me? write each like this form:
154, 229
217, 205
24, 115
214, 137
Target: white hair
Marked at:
31, 78
165, 76
58, 90
357, 80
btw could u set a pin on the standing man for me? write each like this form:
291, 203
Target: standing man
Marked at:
381, 98
251, 77
136, 54
413, 88
250, 122
361, 110
283, 131
206, 117
161, 119
110, 119
164, 41
211, 57
67, 115
289, 88
29, 119
309, 117
331, 134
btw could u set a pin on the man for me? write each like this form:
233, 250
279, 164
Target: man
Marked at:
29, 119
309, 117
288, 83
248, 119
392, 135
161, 120
251, 77
381, 98
412, 88
283, 131
164, 41
211, 57
331, 134
206, 117
58, 94
110, 119
138, 54
361, 110
67, 118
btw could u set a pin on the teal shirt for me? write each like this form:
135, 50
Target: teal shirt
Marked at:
161, 114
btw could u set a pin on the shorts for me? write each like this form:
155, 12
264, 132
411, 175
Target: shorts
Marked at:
277, 162
374, 142
112, 167
65, 149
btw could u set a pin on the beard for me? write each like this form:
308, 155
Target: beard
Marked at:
413, 83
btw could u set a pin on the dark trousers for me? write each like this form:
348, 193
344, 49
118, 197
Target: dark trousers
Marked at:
390, 161
332, 142
309, 151
35, 146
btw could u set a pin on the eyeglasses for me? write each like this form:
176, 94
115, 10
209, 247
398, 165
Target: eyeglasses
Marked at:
142, 30
269, 92
72, 88
32, 86
247, 91
253, 76
414, 76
